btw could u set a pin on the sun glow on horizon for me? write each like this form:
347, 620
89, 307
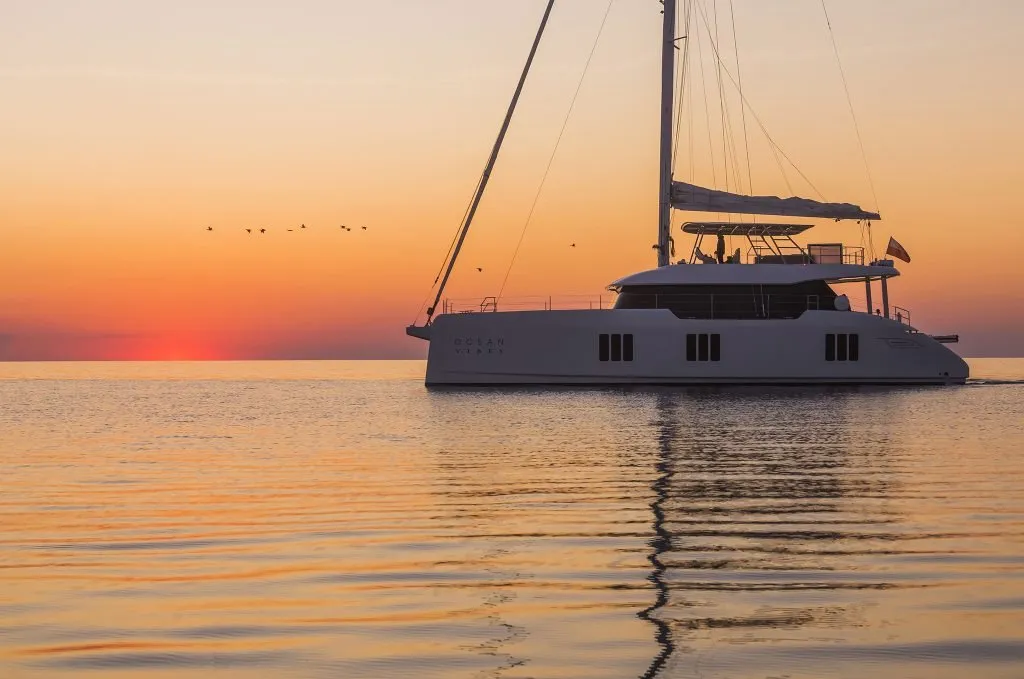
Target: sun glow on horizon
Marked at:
131, 128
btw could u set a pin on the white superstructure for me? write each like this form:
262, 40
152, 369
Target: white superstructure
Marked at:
765, 312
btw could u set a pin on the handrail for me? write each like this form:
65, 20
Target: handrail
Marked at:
683, 305
526, 303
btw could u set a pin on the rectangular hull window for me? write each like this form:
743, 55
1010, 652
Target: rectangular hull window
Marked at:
703, 347
842, 347
614, 347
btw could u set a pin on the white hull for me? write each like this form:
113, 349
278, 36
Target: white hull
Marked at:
562, 348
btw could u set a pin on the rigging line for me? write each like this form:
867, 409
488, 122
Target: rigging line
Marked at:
723, 112
760, 123
707, 112
689, 104
731, 138
455, 236
683, 67
451, 246
689, 130
678, 75
554, 151
728, 141
685, 93
849, 102
728, 137
743, 110
492, 160
782, 169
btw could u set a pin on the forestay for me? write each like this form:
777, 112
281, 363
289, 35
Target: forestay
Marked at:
699, 199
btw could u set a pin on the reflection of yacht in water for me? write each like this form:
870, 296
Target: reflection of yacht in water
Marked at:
764, 535
766, 313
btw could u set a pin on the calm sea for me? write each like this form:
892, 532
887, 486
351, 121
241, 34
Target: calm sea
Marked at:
340, 520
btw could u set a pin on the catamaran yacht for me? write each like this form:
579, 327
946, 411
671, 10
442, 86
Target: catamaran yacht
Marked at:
772, 311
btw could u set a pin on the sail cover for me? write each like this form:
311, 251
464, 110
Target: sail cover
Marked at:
699, 199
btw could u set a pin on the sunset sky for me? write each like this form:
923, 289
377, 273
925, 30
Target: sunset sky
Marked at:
127, 127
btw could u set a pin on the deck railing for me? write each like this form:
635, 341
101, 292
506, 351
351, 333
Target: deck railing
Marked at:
709, 306
529, 303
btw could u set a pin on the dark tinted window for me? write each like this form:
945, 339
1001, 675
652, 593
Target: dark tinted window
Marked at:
602, 348
842, 347
616, 347
729, 301
702, 347
716, 347
691, 347
627, 347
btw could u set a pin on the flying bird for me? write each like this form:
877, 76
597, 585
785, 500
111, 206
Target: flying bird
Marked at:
364, 228
573, 245
263, 230
209, 228
248, 230
303, 226
479, 269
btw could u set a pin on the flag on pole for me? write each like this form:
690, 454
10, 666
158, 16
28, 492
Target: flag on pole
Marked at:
897, 250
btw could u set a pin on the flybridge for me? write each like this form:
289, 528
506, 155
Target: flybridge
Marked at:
767, 244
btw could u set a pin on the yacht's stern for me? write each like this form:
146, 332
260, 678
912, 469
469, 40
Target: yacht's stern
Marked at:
418, 331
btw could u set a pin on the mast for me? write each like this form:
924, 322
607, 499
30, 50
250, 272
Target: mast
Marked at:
491, 161
668, 65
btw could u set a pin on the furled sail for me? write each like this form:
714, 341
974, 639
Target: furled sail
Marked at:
699, 199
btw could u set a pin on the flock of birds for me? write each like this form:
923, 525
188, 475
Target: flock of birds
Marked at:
342, 227
301, 226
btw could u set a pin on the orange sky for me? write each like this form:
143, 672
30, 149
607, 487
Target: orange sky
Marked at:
128, 127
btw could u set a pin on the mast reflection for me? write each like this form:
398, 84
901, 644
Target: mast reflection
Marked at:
760, 502
661, 542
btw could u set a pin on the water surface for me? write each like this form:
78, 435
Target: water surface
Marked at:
340, 520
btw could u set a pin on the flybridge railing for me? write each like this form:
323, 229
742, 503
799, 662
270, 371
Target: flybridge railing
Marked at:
529, 303
761, 254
